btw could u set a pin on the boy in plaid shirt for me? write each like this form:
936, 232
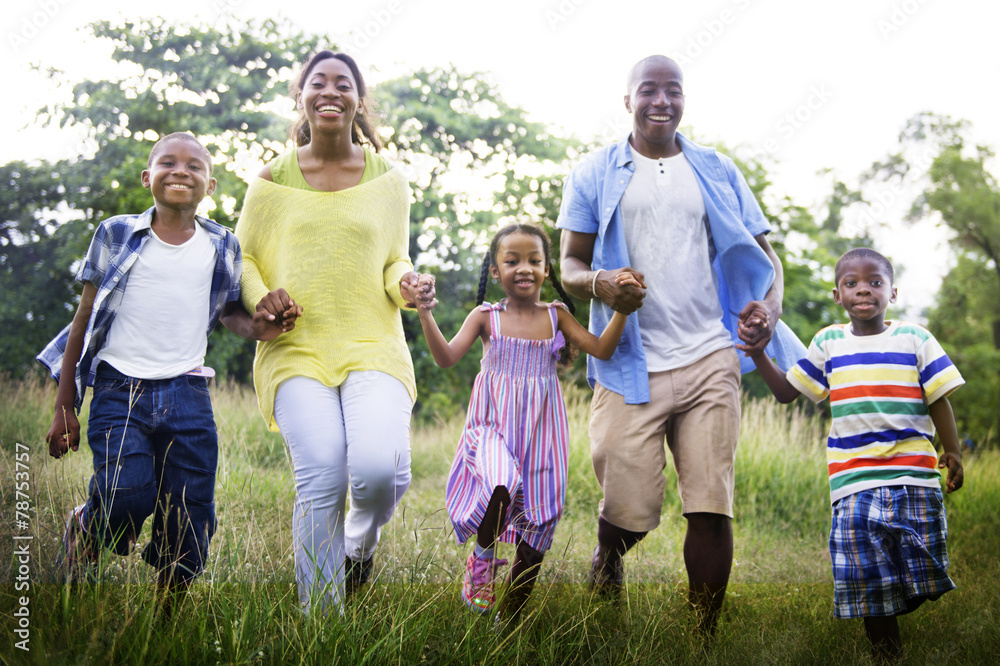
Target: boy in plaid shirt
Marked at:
154, 286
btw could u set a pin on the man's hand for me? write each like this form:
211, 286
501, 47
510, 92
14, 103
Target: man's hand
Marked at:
755, 327
621, 289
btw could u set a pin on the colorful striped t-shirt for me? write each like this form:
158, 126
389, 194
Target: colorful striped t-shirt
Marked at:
879, 388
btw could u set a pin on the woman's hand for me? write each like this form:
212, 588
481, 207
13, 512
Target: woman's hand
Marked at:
276, 313
278, 307
418, 290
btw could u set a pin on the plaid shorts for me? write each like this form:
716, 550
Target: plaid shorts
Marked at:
888, 550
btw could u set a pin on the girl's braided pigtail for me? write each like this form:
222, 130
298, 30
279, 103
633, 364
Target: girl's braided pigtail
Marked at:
563, 296
484, 278
568, 353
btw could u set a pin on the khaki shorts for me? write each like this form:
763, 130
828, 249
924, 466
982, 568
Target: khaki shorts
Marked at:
696, 409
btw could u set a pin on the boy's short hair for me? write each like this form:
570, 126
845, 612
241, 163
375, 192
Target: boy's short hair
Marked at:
862, 253
186, 136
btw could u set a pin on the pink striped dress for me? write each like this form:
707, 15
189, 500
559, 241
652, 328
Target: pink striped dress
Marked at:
516, 435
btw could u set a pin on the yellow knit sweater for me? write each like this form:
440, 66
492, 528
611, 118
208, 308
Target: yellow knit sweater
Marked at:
340, 255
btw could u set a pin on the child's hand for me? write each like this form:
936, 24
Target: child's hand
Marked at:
757, 319
956, 473
275, 314
64, 434
426, 292
754, 328
627, 290
625, 277
418, 290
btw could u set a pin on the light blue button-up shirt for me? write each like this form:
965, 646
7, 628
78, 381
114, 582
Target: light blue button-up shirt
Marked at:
592, 204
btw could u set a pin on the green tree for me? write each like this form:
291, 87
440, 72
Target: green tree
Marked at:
33, 260
958, 191
476, 164
219, 84
963, 318
808, 248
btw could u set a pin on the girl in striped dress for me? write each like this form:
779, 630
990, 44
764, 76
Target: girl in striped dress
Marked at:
507, 482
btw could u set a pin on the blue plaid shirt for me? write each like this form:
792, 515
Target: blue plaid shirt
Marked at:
116, 244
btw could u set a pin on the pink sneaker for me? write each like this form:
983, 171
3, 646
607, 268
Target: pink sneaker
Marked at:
477, 590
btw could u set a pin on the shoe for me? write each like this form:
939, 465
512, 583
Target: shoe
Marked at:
607, 574
477, 590
356, 574
77, 555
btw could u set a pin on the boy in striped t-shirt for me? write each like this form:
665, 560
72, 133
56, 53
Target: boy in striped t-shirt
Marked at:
887, 382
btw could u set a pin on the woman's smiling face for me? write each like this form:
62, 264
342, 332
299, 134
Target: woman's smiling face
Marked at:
329, 97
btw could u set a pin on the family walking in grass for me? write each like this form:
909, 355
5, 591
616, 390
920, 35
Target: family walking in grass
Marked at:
663, 237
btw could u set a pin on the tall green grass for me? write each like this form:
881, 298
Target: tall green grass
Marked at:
244, 609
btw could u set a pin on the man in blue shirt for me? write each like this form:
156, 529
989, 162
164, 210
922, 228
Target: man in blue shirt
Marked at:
682, 220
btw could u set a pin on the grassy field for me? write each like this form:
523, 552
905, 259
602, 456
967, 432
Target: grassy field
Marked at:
244, 609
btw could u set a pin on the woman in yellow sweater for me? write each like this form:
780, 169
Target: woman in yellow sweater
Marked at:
329, 222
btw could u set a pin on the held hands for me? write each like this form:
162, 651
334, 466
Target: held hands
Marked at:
621, 289
628, 278
276, 313
956, 473
755, 327
64, 433
418, 290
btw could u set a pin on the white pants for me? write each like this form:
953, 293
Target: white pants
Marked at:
354, 435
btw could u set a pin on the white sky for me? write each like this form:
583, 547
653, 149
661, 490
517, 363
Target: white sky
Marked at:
816, 84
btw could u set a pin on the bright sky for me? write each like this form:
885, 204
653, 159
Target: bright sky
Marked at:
815, 85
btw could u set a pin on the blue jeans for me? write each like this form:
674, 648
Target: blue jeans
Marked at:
155, 449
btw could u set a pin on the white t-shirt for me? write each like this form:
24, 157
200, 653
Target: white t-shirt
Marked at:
160, 329
669, 240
